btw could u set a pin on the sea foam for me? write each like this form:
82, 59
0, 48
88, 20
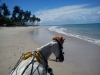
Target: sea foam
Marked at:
61, 31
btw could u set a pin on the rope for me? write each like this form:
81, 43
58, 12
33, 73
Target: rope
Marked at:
18, 62
26, 68
35, 69
44, 60
30, 63
26, 56
36, 55
32, 67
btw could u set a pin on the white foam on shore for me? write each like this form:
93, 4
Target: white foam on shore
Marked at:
61, 31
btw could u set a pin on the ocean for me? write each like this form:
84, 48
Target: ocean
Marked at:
87, 32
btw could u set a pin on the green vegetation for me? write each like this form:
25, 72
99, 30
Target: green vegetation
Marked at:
17, 18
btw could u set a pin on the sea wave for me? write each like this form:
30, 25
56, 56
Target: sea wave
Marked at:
61, 31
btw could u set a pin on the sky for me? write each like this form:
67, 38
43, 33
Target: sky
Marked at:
54, 12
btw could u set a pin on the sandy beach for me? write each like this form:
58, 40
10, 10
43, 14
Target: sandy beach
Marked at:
81, 57
14, 42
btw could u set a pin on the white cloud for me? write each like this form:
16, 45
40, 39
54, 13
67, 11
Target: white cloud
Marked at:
69, 14
98, 12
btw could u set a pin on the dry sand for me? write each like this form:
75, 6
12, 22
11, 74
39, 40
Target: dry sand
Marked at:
13, 42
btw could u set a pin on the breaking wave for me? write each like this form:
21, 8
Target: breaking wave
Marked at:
62, 31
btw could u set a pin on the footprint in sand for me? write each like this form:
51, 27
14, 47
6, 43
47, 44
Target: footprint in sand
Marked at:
17, 47
14, 54
9, 67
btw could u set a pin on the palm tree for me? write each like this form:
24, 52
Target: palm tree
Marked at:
27, 16
38, 20
16, 11
13, 16
6, 12
20, 16
33, 19
0, 11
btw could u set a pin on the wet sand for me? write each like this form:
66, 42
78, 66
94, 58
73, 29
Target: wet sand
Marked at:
81, 57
